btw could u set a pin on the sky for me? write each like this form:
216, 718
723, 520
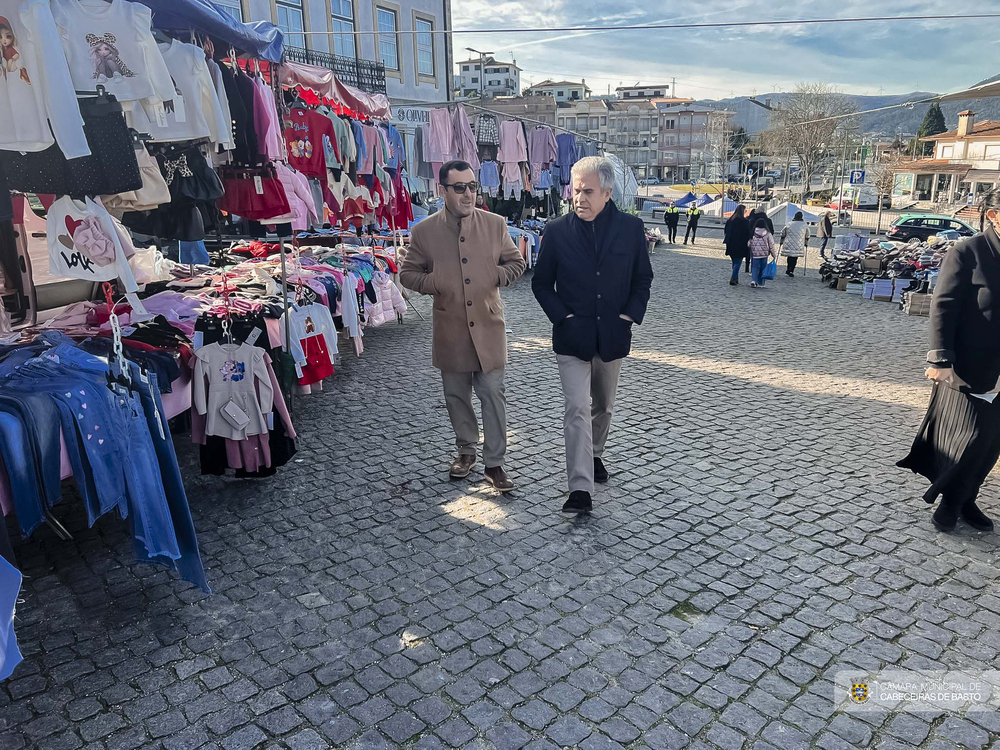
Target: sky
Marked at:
859, 58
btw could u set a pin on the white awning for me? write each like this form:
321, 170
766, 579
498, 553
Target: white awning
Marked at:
985, 91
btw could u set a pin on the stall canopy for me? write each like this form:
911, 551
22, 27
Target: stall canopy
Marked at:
706, 199
260, 38
682, 202
807, 216
328, 86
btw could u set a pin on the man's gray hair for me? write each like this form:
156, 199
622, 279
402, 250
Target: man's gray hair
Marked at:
603, 167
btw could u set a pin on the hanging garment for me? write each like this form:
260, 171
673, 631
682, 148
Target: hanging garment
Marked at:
358, 134
227, 374
310, 321
85, 243
396, 158
567, 156
244, 136
542, 148
229, 142
111, 44
304, 140
37, 86
195, 111
255, 194
487, 130
112, 166
512, 144
440, 138
389, 302
464, 146
345, 139
154, 190
489, 178
265, 115
424, 168
300, 200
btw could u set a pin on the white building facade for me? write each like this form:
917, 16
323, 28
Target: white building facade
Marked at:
488, 77
561, 91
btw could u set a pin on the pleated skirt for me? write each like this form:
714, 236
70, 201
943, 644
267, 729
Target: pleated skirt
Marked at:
957, 445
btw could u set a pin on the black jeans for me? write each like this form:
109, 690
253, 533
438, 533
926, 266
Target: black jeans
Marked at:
792, 262
692, 230
671, 233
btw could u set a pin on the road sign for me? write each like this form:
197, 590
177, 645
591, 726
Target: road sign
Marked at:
857, 176
749, 173
693, 183
970, 200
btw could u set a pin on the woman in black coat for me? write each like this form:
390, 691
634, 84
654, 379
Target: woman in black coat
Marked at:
737, 241
959, 441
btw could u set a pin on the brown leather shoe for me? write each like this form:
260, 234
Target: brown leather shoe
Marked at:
499, 479
461, 466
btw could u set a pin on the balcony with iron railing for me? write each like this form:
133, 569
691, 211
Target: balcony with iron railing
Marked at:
362, 74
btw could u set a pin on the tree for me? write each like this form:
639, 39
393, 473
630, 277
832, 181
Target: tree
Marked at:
933, 124
882, 175
738, 141
802, 126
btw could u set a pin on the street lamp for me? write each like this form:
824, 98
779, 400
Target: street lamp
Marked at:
482, 70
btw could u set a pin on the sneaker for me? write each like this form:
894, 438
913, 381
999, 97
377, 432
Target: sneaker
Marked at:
976, 518
753, 284
496, 476
600, 473
461, 466
733, 282
579, 502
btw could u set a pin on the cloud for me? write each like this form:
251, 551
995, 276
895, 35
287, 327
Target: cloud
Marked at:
895, 56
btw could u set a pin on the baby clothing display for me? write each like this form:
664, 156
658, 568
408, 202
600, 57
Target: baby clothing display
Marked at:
36, 90
232, 389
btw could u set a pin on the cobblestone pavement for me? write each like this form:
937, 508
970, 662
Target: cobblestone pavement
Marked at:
755, 538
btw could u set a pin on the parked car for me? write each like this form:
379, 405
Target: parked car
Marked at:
775, 173
649, 181
923, 226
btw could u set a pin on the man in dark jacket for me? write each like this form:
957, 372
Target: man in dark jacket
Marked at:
671, 217
592, 280
694, 214
825, 233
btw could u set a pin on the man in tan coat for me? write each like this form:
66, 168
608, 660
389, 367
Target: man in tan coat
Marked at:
462, 256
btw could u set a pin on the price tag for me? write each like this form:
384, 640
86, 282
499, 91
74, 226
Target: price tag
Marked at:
254, 335
161, 114
199, 339
258, 185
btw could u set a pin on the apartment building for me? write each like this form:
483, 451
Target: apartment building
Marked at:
633, 132
691, 141
561, 91
408, 67
644, 92
588, 117
488, 77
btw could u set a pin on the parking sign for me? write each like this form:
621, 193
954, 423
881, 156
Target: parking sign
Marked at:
857, 176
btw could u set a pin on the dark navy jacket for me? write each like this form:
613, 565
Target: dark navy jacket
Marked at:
595, 271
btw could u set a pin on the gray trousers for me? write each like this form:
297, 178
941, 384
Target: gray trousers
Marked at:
492, 397
589, 390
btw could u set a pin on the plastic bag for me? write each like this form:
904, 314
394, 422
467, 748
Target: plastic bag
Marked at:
771, 270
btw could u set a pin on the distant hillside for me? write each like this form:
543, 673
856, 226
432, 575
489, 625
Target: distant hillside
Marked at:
889, 122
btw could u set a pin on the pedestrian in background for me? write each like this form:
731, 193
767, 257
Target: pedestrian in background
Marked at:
671, 217
737, 241
761, 250
825, 233
758, 213
958, 443
794, 239
592, 280
462, 257
693, 215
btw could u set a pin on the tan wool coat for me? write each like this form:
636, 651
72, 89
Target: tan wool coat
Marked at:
463, 263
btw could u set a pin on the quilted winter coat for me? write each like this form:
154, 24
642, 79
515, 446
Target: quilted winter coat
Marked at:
390, 301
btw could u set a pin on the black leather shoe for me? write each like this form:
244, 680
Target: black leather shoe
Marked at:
600, 473
976, 518
945, 518
579, 502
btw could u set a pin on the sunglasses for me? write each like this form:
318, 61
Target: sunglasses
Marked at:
461, 187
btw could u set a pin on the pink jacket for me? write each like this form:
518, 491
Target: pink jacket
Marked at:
762, 243
390, 301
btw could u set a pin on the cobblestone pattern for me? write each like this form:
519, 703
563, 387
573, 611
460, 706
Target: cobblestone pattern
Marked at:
754, 539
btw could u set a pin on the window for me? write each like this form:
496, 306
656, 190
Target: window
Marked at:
388, 47
233, 8
475, 79
343, 27
670, 124
562, 122
465, 68
947, 152
560, 93
604, 121
290, 22
425, 47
